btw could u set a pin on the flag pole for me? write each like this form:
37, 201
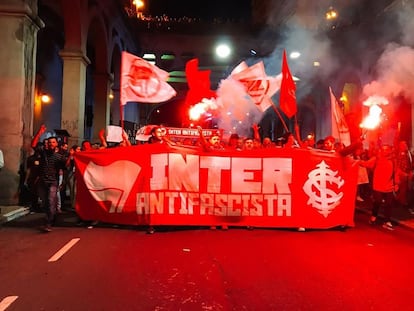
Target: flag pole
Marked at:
121, 114
297, 130
280, 117
121, 95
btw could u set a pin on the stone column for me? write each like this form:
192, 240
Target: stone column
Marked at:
102, 82
73, 94
19, 24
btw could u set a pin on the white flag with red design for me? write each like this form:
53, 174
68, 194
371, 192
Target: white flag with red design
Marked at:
143, 82
340, 129
257, 84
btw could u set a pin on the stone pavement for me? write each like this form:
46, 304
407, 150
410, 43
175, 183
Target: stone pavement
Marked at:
401, 216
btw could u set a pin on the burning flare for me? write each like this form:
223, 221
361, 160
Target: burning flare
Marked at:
201, 108
373, 119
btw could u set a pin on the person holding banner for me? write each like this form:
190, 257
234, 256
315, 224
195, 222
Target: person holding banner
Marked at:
233, 141
213, 143
158, 136
384, 184
405, 172
329, 143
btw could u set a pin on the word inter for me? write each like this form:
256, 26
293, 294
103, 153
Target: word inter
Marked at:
217, 185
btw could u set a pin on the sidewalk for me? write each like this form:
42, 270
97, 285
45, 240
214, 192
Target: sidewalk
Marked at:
9, 213
21, 216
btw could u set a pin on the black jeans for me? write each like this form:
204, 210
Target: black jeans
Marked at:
385, 199
48, 195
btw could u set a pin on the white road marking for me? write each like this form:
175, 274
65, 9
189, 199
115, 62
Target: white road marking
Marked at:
63, 250
6, 302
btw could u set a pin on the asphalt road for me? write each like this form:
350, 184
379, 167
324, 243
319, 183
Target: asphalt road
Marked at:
123, 268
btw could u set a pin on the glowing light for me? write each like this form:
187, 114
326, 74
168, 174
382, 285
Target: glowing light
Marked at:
294, 55
45, 99
374, 116
196, 112
331, 14
223, 51
316, 64
139, 4
373, 119
201, 108
149, 56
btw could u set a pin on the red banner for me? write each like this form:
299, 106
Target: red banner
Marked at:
164, 185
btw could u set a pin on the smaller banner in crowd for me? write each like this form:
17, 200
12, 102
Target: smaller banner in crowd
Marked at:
144, 133
164, 185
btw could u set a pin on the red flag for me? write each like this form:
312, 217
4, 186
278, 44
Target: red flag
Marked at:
287, 97
198, 83
143, 82
340, 129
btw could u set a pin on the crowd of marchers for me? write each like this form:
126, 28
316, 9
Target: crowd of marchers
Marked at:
385, 176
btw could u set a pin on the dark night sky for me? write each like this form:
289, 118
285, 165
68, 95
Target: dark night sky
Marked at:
208, 9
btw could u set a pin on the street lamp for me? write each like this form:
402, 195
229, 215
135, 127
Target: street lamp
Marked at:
45, 99
39, 100
223, 50
331, 14
139, 4
135, 8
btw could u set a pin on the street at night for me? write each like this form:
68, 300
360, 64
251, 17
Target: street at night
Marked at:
189, 268
238, 155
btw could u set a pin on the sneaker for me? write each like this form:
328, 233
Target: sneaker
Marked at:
359, 199
224, 227
150, 230
411, 211
213, 228
47, 228
301, 229
388, 225
372, 220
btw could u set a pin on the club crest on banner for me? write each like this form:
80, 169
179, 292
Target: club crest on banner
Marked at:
323, 189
